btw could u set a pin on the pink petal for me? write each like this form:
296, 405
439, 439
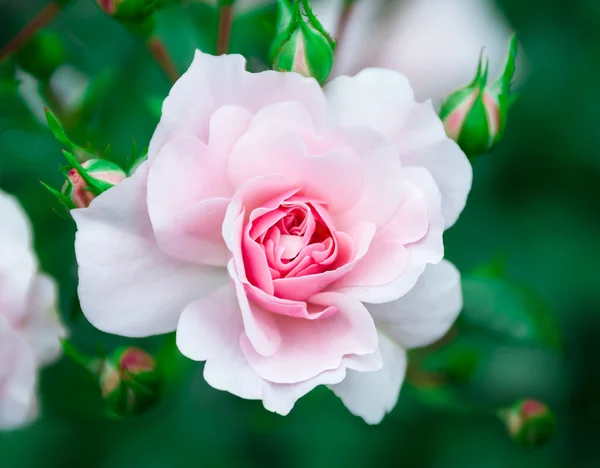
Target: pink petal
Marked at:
214, 82
309, 348
269, 149
300, 288
127, 284
210, 328
422, 142
391, 267
426, 312
260, 326
184, 181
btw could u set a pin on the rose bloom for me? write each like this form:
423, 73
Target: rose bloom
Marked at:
29, 326
291, 235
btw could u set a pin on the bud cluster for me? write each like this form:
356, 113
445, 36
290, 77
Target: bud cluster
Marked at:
137, 15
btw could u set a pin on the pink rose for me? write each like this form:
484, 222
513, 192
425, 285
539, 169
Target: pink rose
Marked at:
291, 235
29, 327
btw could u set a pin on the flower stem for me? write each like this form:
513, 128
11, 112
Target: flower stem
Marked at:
225, 21
342, 26
30, 29
162, 57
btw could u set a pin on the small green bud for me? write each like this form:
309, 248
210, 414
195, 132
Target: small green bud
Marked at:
42, 55
130, 381
529, 422
105, 175
136, 15
475, 116
301, 45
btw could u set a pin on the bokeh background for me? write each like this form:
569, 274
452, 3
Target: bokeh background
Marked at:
535, 202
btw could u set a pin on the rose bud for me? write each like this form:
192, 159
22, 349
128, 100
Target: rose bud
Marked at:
529, 422
136, 15
301, 45
104, 175
130, 381
475, 116
42, 55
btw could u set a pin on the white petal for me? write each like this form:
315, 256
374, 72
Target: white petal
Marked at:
127, 285
371, 395
18, 375
42, 326
18, 263
426, 312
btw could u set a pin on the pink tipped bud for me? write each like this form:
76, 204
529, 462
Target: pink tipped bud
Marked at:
130, 381
529, 422
475, 116
104, 174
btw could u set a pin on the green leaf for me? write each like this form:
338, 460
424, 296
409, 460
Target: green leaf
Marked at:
510, 311
457, 361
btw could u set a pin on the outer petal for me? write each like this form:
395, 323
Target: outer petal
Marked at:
403, 247
18, 264
209, 329
309, 348
371, 395
127, 285
423, 142
426, 313
212, 82
383, 100
18, 375
42, 325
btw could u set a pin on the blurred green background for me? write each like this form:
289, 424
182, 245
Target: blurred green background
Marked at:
535, 200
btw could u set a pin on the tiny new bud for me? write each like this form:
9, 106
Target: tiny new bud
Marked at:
301, 45
529, 422
130, 381
42, 55
104, 175
475, 116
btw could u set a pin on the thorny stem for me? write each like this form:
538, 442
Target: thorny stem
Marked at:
225, 21
162, 57
30, 29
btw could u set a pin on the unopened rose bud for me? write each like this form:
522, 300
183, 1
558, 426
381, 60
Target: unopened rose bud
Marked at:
301, 45
42, 55
529, 422
137, 15
104, 175
475, 116
130, 381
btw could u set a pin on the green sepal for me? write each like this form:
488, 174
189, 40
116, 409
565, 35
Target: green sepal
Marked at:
315, 23
62, 198
57, 129
287, 22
